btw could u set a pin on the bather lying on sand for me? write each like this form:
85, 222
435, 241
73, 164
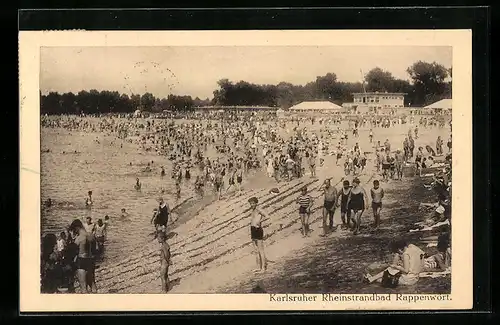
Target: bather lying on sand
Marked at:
410, 263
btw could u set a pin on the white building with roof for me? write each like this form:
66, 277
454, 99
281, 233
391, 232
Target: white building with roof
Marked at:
376, 102
317, 107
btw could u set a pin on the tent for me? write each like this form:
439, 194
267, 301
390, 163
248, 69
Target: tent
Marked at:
443, 104
317, 106
137, 113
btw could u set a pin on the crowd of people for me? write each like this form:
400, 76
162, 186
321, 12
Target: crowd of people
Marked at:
213, 152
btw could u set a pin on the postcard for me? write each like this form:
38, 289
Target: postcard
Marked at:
245, 170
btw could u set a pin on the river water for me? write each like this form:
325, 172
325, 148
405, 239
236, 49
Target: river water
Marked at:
104, 168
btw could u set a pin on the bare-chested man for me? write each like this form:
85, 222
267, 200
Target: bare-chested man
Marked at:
85, 263
257, 233
328, 205
165, 261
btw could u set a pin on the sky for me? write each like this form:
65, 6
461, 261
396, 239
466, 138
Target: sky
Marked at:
195, 71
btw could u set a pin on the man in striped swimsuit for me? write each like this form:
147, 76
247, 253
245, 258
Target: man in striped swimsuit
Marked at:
305, 202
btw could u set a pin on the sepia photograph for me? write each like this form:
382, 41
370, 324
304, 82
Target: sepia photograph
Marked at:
283, 170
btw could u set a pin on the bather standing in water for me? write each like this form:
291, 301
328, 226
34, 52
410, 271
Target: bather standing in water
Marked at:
88, 200
137, 185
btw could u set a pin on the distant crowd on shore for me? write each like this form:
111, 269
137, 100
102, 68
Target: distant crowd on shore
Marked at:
215, 152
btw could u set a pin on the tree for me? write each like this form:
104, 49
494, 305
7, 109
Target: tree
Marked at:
379, 80
428, 80
326, 87
147, 102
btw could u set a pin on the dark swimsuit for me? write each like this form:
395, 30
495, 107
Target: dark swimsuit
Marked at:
162, 217
329, 205
357, 202
85, 263
256, 233
343, 201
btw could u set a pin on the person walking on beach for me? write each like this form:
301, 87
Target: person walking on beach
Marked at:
439, 146
357, 203
377, 194
398, 162
239, 179
329, 205
305, 203
165, 261
312, 164
257, 233
345, 213
411, 146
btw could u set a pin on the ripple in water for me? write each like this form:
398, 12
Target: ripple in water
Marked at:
104, 168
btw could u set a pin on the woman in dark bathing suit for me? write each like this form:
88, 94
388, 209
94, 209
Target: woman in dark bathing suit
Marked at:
357, 203
345, 213
160, 218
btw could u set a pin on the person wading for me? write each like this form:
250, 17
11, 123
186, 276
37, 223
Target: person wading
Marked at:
85, 263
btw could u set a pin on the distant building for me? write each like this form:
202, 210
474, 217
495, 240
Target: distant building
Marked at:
375, 102
324, 107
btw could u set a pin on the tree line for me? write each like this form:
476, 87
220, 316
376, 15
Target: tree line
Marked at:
430, 83
94, 102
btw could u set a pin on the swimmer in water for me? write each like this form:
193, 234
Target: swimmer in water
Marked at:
137, 185
148, 168
124, 213
48, 203
100, 235
88, 200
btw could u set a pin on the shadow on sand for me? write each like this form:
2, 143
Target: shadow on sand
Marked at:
337, 264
